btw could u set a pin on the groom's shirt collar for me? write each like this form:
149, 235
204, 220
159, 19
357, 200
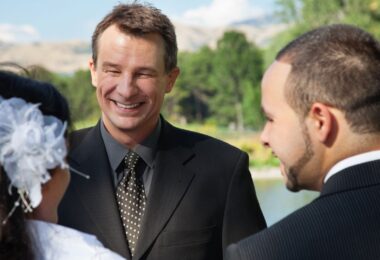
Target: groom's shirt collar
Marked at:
146, 150
351, 161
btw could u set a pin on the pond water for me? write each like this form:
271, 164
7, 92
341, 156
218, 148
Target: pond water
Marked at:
277, 202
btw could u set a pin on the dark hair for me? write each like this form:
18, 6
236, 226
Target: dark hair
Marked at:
50, 99
337, 65
14, 239
138, 20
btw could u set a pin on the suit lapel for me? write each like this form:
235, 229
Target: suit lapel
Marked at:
91, 158
170, 182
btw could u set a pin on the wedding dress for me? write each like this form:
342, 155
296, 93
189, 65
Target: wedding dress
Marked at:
51, 241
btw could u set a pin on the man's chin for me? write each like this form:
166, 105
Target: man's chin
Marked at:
289, 179
291, 187
127, 123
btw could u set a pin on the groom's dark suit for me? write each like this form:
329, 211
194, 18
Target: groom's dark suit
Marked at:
343, 223
201, 197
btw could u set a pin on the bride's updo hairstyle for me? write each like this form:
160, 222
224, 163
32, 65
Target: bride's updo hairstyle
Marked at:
14, 240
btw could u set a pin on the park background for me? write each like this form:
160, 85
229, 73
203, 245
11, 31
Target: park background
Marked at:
224, 48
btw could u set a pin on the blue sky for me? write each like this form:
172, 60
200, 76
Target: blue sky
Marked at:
53, 20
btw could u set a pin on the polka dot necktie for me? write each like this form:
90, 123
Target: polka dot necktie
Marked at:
131, 199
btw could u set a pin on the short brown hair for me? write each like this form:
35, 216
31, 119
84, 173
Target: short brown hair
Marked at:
338, 65
138, 20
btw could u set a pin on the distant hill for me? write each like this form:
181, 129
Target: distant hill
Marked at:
190, 38
69, 56
61, 57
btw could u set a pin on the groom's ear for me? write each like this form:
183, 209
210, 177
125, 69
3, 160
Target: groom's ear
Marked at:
322, 119
172, 77
92, 67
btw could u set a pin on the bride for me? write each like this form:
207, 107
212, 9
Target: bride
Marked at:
34, 175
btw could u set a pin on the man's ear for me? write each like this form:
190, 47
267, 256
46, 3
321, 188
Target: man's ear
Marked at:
92, 67
321, 121
172, 77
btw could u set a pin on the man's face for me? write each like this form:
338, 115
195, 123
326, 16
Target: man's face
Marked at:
284, 132
130, 81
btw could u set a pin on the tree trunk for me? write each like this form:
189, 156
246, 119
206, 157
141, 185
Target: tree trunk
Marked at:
239, 117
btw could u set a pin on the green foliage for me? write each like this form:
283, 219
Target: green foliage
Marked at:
238, 70
82, 96
305, 15
253, 116
190, 97
220, 86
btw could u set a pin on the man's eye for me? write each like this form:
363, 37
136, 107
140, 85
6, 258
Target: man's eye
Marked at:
112, 72
144, 75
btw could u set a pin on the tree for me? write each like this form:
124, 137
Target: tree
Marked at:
237, 73
82, 97
305, 15
309, 14
192, 92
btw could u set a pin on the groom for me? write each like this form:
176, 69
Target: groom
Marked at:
321, 98
195, 193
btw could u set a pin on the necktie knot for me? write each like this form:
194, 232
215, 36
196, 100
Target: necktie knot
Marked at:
130, 160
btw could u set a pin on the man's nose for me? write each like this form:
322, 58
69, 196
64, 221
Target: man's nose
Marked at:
264, 139
127, 85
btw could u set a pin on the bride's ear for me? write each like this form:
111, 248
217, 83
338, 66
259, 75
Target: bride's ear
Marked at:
52, 194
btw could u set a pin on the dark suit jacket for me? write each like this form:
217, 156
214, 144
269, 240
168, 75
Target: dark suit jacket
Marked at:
342, 223
201, 197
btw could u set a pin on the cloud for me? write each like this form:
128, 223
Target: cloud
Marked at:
221, 12
18, 33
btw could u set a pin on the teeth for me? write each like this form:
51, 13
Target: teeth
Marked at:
127, 106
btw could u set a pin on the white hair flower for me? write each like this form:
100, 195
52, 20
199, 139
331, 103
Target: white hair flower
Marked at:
30, 145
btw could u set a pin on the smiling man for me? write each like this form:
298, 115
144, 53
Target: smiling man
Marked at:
321, 98
156, 191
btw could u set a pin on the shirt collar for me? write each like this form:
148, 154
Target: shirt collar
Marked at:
116, 151
147, 149
351, 161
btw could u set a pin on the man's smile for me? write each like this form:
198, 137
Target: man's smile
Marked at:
127, 105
